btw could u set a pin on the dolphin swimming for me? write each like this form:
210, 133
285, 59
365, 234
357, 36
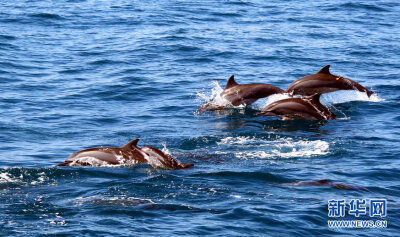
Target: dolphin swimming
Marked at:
242, 94
129, 153
308, 107
324, 82
325, 182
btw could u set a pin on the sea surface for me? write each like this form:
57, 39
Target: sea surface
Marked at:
81, 74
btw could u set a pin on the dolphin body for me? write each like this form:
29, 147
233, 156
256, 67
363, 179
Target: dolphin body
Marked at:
309, 108
242, 94
325, 182
129, 153
324, 82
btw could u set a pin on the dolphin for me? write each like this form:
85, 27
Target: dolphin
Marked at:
325, 182
324, 82
129, 153
309, 108
242, 94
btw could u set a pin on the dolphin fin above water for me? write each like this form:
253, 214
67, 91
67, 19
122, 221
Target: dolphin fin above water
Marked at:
130, 145
231, 82
325, 70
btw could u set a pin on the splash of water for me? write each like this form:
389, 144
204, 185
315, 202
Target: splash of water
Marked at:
343, 96
279, 148
165, 149
22, 176
214, 98
6, 178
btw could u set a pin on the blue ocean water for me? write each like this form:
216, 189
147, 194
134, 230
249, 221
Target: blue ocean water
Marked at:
79, 74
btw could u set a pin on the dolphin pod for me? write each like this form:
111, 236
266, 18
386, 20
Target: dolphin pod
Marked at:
306, 107
129, 153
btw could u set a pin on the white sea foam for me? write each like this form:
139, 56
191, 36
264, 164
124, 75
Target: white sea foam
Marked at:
24, 178
6, 178
238, 140
41, 179
278, 148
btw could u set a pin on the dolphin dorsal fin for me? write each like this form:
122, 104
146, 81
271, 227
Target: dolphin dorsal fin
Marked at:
131, 144
325, 70
231, 82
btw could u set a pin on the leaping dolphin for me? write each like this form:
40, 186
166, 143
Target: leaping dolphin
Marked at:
309, 108
129, 153
242, 94
324, 82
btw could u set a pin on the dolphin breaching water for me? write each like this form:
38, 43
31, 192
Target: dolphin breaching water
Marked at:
309, 108
242, 94
324, 82
129, 153
311, 87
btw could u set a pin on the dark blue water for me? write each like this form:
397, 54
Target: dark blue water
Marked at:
80, 74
